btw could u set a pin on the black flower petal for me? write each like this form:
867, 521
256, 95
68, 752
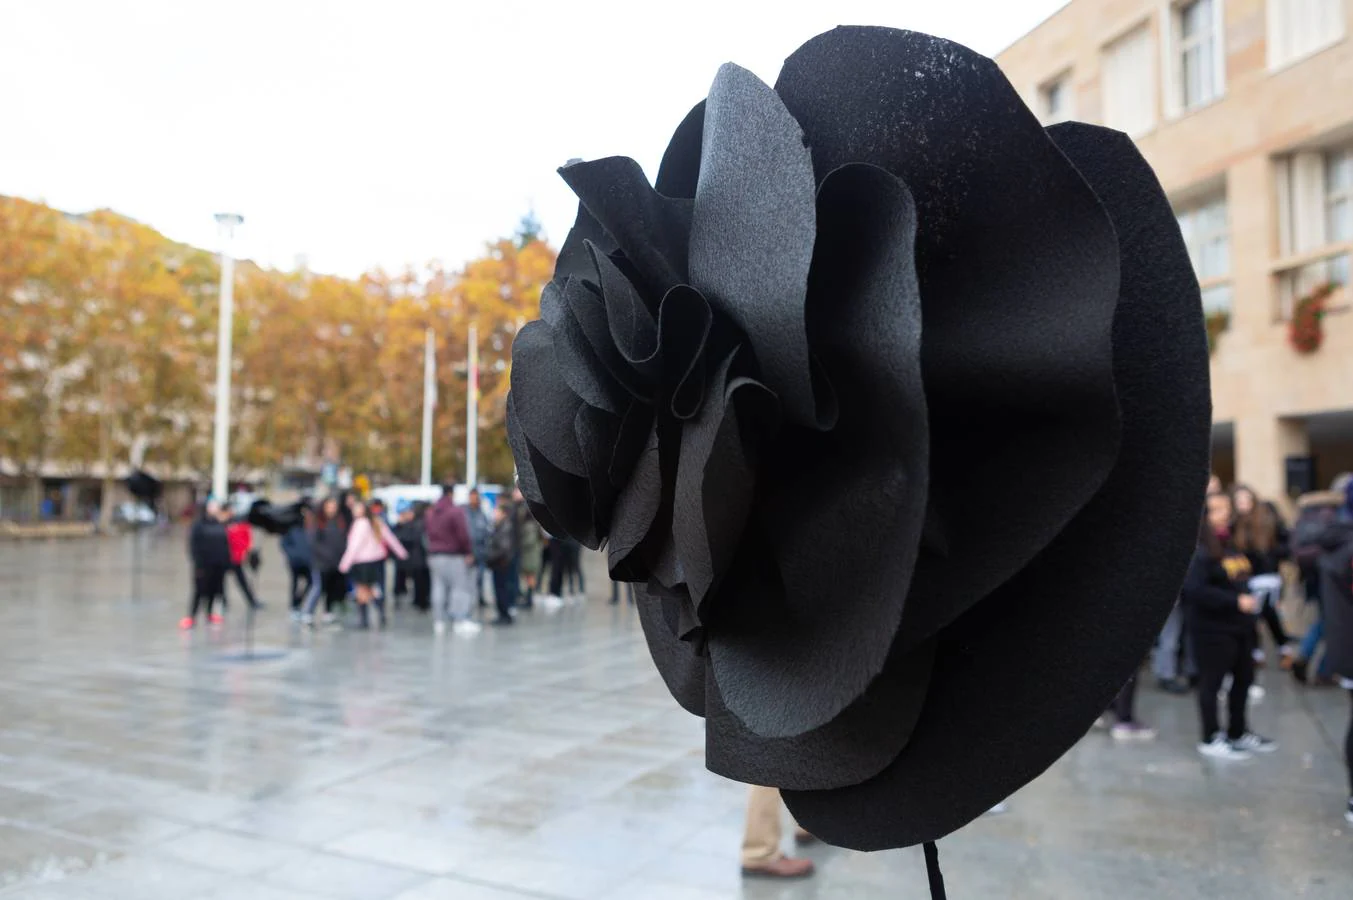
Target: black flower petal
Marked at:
752, 233
1018, 269
652, 230
843, 510
1061, 638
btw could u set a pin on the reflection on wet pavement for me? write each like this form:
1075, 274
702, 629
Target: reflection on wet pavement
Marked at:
542, 761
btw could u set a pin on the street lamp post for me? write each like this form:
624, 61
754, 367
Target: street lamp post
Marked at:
220, 457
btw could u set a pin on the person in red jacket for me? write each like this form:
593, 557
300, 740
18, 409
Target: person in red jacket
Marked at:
241, 539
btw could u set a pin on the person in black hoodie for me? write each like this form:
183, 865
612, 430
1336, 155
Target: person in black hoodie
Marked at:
1262, 536
1222, 622
210, 553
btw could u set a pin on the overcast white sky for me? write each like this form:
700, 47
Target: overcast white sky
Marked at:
363, 133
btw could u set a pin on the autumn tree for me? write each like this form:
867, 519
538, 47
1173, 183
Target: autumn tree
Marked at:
43, 266
108, 352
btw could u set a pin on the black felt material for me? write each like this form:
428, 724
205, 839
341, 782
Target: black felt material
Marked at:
1018, 273
881, 395
652, 230
753, 229
844, 508
679, 171
1022, 676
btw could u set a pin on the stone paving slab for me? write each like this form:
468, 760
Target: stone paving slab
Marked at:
541, 761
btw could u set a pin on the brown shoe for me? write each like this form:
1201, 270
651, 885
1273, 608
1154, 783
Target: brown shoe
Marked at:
784, 867
805, 838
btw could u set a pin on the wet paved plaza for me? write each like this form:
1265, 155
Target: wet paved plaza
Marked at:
541, 761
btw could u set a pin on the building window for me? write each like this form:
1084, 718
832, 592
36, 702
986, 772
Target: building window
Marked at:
1200, 55
1207, 234
1129, 79
1055, 101
1298, 28
1315, 221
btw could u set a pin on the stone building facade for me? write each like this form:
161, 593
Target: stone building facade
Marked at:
1245, 109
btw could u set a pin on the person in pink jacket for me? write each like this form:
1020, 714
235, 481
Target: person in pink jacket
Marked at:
370, 543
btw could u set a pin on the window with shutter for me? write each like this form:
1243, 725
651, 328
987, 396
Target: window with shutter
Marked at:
1207, 234
1315, 219
1129, 82
1055, 100
1298, 28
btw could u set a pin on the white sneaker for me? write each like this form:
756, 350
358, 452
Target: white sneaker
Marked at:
439, 628
296, 615
1255, 743
1220, 748
1132, 731
307, 619
329, 618
467, 627
1257, 693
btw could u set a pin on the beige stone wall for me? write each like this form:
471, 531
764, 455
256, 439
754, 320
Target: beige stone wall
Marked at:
1258, 382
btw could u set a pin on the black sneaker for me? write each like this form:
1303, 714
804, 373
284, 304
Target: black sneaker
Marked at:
1299, 670
1172, 686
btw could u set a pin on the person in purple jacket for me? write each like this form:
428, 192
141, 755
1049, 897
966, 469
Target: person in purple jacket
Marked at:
451, 559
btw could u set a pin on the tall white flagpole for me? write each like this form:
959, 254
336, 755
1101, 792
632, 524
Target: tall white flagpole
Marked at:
429, 403
220, 454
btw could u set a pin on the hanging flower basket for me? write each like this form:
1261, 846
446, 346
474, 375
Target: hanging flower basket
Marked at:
1217, 321
1306, 331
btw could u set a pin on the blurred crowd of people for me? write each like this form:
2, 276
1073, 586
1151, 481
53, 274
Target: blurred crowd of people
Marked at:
1246, 562
456, 563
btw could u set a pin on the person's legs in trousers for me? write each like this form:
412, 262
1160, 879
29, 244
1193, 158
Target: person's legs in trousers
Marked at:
462, 599
514, 581
422, 587
1242, 676
243, 581
761, 853
1215, 654
402, 580
1165, 661
1348, 760
502, 595
439, 575
312, 595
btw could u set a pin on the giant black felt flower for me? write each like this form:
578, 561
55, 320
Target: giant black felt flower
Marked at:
896, 403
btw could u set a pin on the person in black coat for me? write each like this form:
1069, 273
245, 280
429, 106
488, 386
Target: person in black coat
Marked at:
501, 552
414, 570
209, 550
1222, 617
1336, 591
328, 541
